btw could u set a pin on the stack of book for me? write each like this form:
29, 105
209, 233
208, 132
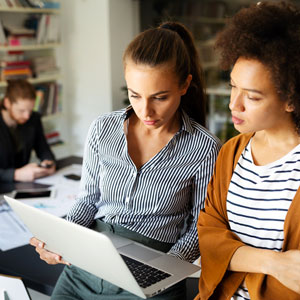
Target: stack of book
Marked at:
44, 66
53, 138
18, 36
15, 70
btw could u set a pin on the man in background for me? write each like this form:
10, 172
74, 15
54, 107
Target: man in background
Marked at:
21, 131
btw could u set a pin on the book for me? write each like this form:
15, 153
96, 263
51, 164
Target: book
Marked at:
44, 64
39, 100
15, 30
41, 30
14, 287
3, 39
52, 30
44, 88
51, 4
15, 63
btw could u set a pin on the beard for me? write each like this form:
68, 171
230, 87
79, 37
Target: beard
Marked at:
17, 120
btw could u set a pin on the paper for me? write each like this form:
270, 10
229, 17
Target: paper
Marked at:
58, 206
58, 177
14, 287
66, 191
13, 233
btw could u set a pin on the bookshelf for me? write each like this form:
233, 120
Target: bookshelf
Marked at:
29, 43
35, 47
29, 10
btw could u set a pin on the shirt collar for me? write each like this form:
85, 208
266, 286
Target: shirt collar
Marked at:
186, 123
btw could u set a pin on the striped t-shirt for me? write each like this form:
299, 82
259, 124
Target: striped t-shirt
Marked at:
258, 200
158, 200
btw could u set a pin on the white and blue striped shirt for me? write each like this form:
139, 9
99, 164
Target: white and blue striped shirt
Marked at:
258, 200
157, 200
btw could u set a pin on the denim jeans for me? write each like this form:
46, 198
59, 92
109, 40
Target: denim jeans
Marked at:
77, 284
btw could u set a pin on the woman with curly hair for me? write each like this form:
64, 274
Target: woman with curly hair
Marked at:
249, 233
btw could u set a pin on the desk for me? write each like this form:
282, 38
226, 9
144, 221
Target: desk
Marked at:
38, 275
24, 261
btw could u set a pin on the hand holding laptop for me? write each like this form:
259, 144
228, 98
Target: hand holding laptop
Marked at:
47, 256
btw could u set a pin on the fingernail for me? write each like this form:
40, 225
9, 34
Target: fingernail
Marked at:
41, 245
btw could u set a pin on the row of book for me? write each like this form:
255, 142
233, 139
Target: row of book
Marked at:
46, 30
38, 67
48, 98
30, 3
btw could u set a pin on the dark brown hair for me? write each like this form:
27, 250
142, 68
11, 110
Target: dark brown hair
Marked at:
19, 88
172, 43
269, 33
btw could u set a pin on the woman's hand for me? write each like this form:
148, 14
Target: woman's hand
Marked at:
284, 266
286, 269
47, 256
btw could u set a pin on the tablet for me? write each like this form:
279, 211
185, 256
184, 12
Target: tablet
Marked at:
33, 193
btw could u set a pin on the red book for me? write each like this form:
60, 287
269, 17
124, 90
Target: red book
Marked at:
15, 63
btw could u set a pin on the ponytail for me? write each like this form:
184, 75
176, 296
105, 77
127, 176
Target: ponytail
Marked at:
172, 42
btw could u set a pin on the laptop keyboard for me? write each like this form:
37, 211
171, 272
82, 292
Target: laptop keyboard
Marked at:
144, 274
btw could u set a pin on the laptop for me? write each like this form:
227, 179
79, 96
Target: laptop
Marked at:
134, 267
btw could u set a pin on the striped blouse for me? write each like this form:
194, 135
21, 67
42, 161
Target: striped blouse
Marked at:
162, 199
258, 200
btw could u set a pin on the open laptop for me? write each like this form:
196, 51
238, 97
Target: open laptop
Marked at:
118, 260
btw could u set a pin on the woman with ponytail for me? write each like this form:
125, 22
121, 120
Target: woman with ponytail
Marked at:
146, 167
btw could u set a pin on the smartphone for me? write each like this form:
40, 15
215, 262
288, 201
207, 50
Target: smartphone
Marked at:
33, 193
47, 166
72, 177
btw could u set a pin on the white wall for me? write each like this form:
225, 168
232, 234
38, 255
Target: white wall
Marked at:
124, 25
94, 35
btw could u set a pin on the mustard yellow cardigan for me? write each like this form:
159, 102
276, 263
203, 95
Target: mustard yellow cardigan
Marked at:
217, 243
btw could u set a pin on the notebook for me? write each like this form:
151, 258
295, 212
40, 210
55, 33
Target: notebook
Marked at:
14, 287
134, 267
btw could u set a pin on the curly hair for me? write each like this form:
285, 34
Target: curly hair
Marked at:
269, 33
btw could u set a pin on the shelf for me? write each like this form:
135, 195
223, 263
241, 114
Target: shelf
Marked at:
57, 144
36, 80
219, 90
206, 20
218, 118
26, 10
209, 64
29, 47
52, 116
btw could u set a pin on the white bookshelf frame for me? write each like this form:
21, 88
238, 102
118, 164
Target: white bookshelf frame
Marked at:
29, 47
28, 10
